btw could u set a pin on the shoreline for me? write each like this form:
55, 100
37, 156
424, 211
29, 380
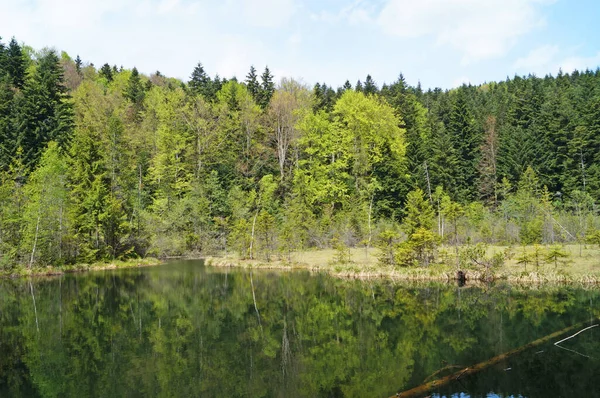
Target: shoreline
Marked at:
24, 272
433, 273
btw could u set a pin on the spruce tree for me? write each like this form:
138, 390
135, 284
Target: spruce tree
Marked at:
370, 87
78, 64
3, 56
45, 113
88, 180
466, 142
134, 91
358, 87
15, 64
252, 84
267, 88
200, 83
106, 72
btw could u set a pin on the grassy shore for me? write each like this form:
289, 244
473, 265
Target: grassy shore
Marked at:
22, 271
581, 266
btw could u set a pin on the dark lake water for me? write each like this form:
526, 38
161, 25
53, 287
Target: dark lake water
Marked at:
183, 330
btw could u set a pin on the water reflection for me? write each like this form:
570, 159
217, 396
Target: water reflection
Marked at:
184, 330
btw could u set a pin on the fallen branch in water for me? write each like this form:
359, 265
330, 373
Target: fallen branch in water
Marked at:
570, 337
430, 386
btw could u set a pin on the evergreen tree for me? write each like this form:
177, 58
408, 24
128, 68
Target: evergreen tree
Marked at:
370, 87
325, 97
466, 142
45, 113
267, 88
135, 93
107, 72
488, 165
358, 87
3, 56
15, 64
252, 84
414, 119
418, 212
12, 202
78, 64
200, 83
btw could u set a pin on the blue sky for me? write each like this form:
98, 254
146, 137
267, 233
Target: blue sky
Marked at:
440, 43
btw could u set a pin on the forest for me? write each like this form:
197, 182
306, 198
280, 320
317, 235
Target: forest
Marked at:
102, 163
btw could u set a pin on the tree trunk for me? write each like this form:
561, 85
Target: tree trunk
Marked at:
436, 384
251, 249
37, 228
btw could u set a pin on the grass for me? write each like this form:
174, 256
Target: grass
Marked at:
581, 266
22, 271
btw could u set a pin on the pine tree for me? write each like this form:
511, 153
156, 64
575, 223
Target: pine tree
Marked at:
488, 167
325, 97
3, 56
200, 83
88, 193
134, 91
9, 135
267, 88
15, 64
78, 64
414, 118
370, 87
418, 212
466, 142
45, 113
217, 85
252, 83
358, 87
106, 72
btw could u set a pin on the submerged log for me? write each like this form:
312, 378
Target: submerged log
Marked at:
432, 385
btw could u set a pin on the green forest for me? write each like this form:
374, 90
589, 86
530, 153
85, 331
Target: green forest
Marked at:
102, 163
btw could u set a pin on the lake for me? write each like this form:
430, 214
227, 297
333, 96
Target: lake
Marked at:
184, 330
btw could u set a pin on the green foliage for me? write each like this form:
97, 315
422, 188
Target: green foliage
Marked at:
557, 255
419, 212
45, 112
135, 92
155, 166
477, 256
342, 252
524, 258
267, 88
419, 249
45, 216
387, 242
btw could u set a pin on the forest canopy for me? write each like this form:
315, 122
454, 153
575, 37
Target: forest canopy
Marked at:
106, 163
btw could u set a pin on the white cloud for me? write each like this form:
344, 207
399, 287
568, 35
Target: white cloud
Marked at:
537, 59
479, 29
569, 64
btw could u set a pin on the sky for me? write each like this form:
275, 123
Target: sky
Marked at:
439, 43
